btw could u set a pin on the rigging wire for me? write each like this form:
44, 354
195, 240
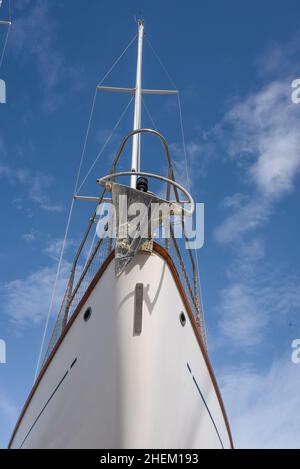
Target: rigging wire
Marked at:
93, 107
64, 241
117, 60
106, 143
73, 199
161, 63
85, 141
172, 82
149, 114
90, 251
7, 33
54, 290
189, 186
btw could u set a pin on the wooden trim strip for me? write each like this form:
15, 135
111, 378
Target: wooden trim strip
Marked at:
163, 253
57, 345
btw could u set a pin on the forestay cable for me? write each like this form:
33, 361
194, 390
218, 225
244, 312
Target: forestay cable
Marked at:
149, 114
93, 107
105, 143
73, 199
187, 170
65, 239
7, 33
196, 254
118, 60
161, 63
172, 82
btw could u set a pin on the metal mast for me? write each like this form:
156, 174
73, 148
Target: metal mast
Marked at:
138, 91
136, 143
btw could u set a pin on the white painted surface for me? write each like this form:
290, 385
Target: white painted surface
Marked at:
127, 391
136, 142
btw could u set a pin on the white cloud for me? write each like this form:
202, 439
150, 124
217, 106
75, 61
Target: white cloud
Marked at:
198, 155
243, 317
235, 201
265, 142
263, 407
280, 59
26, 301
7, 408
243, 219
53, 249
54, 245
37, 186
48, 245
255, 298
36, 183
29, 237
248, 255
34, 39
8, 417
266, 125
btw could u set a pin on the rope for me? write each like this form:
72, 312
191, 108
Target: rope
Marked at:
54, 290
64, 243
5, 44
189, 187
93, 107
90, 250
85, 141
187, 169
161, 63
75, 191
117, 60
149, 114
105, 144
7, 34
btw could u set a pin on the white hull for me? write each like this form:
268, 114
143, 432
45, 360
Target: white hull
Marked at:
153, 390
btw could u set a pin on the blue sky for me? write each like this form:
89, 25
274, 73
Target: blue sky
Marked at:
233, 63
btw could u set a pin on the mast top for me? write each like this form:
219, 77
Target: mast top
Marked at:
137, 120
137, 91
139, 21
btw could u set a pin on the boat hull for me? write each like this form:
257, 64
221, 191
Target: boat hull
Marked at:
109, 385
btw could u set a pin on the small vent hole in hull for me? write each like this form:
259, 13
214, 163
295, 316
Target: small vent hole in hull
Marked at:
182, 319
87, 314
